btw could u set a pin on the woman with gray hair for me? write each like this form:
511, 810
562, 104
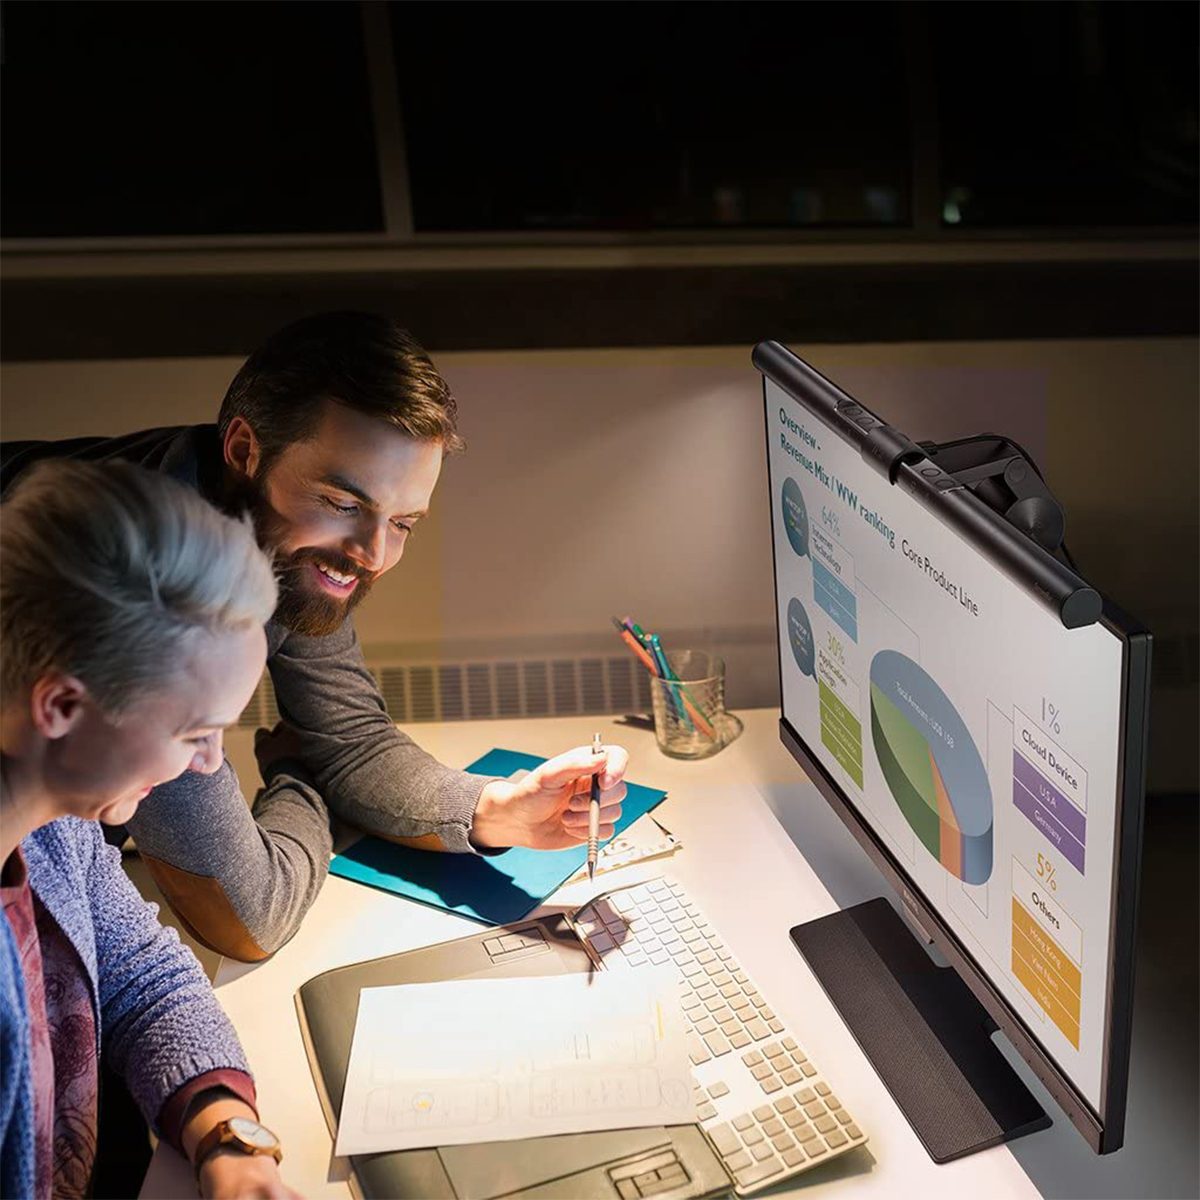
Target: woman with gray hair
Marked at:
131, 634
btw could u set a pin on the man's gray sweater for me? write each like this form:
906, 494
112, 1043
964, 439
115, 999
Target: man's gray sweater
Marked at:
241, 878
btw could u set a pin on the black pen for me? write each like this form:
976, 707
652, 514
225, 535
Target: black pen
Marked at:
594, 814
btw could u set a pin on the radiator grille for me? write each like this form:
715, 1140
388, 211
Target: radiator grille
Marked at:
474, 690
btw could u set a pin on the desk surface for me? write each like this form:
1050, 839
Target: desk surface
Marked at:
746, 872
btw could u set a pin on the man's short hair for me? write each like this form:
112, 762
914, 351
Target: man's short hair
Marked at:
108, 571
365, 361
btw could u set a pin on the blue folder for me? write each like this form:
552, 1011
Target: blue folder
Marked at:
496, 888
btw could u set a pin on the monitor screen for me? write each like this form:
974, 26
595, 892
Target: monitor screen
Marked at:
976, 736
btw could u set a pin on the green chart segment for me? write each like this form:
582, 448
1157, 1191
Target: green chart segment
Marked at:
931, 766
841, 733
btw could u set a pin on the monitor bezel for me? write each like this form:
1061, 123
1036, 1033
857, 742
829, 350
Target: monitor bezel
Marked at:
1102, 1128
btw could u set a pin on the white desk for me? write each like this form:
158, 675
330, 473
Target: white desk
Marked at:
744, 871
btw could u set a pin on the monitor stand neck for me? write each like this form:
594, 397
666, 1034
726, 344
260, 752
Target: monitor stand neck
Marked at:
923, 1031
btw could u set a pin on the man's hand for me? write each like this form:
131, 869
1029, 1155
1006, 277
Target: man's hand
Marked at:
228, 1174
548, 808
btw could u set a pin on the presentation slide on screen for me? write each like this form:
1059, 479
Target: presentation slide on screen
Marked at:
975, 734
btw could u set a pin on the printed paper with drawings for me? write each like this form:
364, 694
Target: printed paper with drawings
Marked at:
646, 838
486, 1060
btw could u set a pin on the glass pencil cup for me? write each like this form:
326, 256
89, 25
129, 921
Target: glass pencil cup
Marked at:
690, 720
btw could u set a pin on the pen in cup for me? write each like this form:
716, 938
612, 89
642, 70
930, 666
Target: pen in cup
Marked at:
593, 845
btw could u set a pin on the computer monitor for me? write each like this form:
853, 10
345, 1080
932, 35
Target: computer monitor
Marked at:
977, 718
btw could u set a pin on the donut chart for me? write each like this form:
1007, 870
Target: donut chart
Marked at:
931, 766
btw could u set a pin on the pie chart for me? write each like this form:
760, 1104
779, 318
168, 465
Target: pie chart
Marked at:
932, 766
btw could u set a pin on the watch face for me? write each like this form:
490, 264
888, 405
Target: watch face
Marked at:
253, 1133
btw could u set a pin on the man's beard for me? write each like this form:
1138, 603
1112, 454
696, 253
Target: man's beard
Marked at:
301, 609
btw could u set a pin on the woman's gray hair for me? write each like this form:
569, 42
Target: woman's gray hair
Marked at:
107, 572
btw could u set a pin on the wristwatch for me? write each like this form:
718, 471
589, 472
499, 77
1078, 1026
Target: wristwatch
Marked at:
240, 1133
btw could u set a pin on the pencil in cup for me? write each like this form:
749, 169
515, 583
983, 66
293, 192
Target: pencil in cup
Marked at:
701, 721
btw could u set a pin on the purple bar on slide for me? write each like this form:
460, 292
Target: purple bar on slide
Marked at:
1058, 837
1049, 797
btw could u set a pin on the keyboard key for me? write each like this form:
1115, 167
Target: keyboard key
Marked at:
805, 1133
772, 1049
814, 1110
782, 1142
741, 976
729, 990
705, 1025
730, 1027
706, 1112
717, 1043
776, 1025
789, 1043
809, 1070
726, 1141
794, 1119
784, 1104
743, 1121
718, 1089
722, 1014
706, 991
843, 1117
722, 979
739, 1039
799, 1057
752, 1058
835, 1139
690, 1001
825, 1124
853, 1132
791, 1076
764, 1112
758, 1172
793, 1157
766, 1012
822, 1089
752, 1136
715, 968
705, 956
773, 1127
758, 1030
805, 1096
762, 1071
763, 1150
815, 1148
740, 1003
738, 1162
697, 1051
758, 1001
772, 1085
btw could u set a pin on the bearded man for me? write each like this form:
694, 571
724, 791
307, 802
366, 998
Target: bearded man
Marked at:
332, 435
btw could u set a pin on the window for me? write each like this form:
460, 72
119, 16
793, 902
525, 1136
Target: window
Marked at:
185, 118
614, 116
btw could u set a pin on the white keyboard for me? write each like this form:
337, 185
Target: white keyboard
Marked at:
767, 1109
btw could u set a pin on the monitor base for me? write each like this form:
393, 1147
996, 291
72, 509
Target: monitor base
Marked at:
924, 1033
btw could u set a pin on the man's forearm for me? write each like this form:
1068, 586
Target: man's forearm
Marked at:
368, 772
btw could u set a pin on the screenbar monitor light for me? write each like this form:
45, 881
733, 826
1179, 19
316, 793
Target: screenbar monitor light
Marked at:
976, 715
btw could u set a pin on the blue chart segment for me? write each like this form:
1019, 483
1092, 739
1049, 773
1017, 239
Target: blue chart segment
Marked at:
833, 581
931, 766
